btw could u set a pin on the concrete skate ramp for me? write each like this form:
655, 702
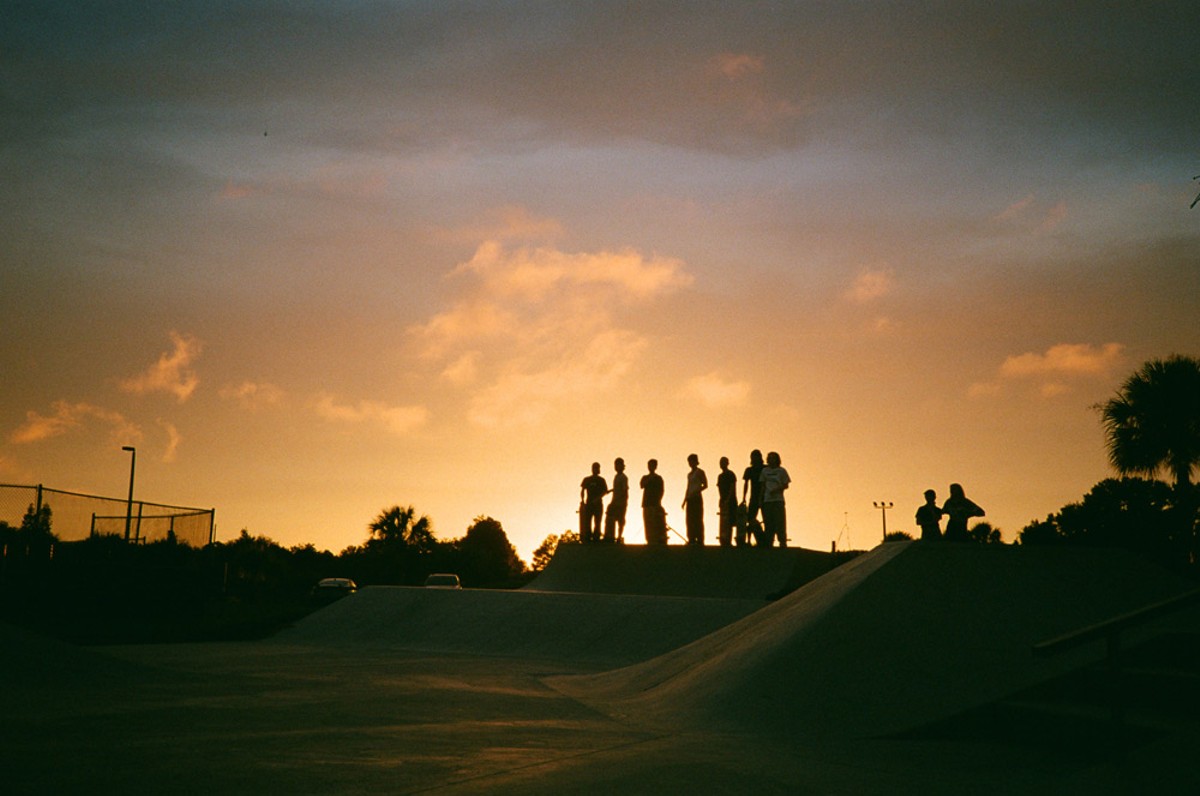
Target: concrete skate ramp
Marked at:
680, 571
594, 629
901, 636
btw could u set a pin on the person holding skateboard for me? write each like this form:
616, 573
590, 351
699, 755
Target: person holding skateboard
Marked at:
654, 517
592, 490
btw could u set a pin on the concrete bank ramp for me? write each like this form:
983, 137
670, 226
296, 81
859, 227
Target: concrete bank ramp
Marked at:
593, 629
903, 635
680, 571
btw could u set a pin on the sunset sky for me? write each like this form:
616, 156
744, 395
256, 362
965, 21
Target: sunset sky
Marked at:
317, 259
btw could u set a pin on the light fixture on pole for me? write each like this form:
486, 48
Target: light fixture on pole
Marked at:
129, 503
883, 506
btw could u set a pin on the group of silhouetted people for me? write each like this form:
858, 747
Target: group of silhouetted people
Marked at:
763, 485
958, 508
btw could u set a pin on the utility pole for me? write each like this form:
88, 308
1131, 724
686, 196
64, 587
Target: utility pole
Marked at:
883, 506
129, 504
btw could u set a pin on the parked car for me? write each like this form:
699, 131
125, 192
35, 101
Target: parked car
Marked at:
443, 580
332, 587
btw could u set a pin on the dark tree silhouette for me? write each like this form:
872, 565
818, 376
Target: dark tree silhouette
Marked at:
549, 546
37, 522
544, 552
1153, 425
488, 559
400, 526
1133, 513
984, 533
401, 549
34, 534
1041, 532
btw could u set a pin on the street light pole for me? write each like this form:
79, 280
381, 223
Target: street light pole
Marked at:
129, 504
883, 506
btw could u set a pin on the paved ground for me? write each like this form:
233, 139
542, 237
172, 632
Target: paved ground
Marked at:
900, 637
596, 630
385, 694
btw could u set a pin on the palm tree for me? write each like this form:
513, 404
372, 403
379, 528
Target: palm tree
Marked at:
400, 525
1153, 424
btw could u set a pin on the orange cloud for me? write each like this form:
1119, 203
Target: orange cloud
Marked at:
399, 420
533, 274
1064, 359
68, 416
532, 326
462, 370
1053, 370
469, 319
173, 440
171, 373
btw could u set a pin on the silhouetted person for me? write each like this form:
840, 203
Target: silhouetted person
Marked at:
592, 490
614, 519
959, 509
654, 517
929, 518
693, 500
728, 503
752, 483
775, 480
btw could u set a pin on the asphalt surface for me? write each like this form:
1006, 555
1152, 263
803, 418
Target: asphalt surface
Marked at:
838, 687
597, 630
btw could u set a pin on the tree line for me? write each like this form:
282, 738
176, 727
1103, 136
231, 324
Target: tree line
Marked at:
104, 590
1151, 426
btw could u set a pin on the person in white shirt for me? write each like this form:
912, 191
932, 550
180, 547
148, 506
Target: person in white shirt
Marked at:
693, 501
775, 480
614, 518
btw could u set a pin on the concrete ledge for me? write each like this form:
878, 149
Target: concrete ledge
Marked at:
679, 571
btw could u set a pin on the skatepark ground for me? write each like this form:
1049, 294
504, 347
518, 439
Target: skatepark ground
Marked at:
907, 669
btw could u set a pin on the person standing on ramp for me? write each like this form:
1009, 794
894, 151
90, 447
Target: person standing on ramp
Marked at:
728, 504
929, 518
752, 484
959, 508
693, 501
654, 517
614, 520
592, 490
775, 480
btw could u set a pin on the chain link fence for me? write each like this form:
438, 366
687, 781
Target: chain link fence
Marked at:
75, 516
